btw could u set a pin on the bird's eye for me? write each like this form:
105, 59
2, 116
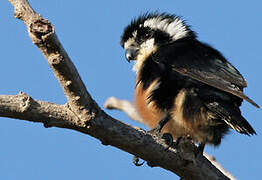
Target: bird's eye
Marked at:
143, 37
147, 35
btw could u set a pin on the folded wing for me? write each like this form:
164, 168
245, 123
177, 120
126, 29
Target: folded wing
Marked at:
203, 63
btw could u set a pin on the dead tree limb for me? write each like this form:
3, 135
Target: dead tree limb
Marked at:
81, 112
129, 108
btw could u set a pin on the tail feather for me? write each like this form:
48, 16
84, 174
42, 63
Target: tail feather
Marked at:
231, 117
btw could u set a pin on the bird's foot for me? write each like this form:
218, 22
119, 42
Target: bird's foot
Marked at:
200, 149
168, 140
166, 136
157, 131
177, 141
136, 161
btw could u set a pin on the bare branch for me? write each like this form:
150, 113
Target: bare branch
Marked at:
212, 159
111, 132
43, 35
23, 107
83, 114
125, 106
129, 108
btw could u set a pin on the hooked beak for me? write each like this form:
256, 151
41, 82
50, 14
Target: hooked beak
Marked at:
131, 53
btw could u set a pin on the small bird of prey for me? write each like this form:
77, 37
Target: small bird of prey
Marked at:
184, 87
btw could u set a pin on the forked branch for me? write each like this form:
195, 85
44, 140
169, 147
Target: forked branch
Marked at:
81, 113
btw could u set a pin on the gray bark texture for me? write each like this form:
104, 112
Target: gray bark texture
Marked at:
81, 113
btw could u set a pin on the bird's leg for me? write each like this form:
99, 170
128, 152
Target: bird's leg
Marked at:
157, 130
160, 125
177, 141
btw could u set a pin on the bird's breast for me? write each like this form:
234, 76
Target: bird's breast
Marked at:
146, 108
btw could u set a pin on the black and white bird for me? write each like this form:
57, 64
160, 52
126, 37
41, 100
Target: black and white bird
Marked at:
183, 86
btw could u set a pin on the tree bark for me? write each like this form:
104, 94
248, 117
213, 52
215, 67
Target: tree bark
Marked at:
129, 108
81, 112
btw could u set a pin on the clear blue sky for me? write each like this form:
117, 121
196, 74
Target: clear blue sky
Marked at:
90, 32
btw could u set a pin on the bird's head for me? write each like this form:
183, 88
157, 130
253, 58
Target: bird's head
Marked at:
145, 34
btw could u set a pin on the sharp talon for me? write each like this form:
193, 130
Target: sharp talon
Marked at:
136, 161
166, 136
168, 140
177, 141
157, 131
200, 149
46, 125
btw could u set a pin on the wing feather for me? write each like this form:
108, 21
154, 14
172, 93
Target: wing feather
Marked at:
215, 81
233, 119
203, 63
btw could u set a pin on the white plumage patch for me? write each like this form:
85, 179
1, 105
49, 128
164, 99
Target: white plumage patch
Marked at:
130, 42
147, 48
176, 29
148, 45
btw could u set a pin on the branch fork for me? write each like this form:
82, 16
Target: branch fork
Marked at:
81, 113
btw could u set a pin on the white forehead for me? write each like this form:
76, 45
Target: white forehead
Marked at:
129, 42
176, 29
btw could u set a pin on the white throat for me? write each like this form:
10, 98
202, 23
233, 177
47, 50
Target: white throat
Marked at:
146, 49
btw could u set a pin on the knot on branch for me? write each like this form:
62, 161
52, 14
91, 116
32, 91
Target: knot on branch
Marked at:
56, 60
18, 13
84, 116
40, 29
26, 101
